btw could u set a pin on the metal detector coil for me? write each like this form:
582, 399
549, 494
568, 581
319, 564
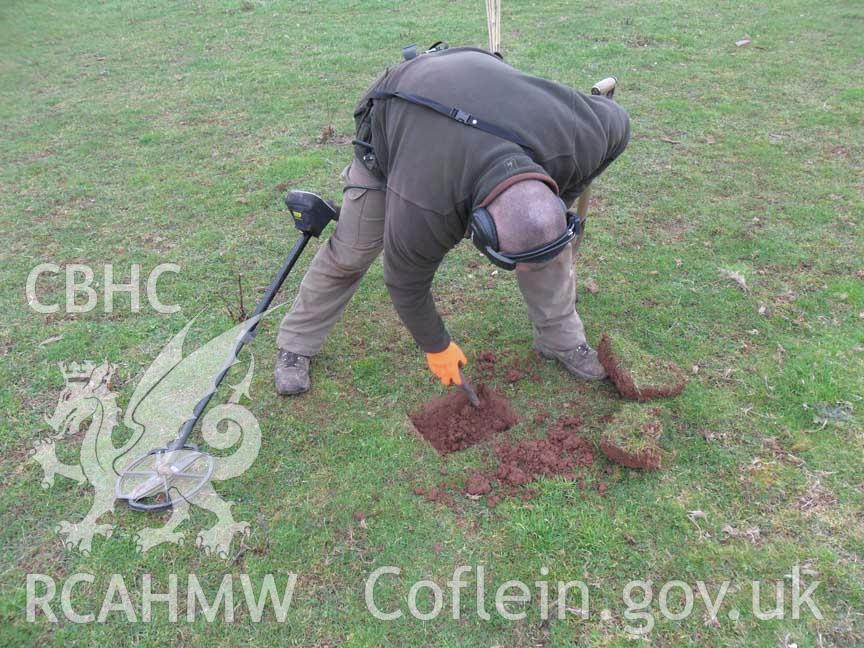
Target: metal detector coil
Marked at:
161, 477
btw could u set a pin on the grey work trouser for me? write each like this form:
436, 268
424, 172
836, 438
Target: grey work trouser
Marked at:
549, 289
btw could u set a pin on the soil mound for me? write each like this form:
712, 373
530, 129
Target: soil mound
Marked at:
477, 485
560, 453
637, 375
451, 423
631, 438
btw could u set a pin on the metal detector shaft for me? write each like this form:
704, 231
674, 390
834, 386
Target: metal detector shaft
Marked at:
247, 336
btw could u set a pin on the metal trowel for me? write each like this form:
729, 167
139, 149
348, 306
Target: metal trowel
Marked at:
468, 388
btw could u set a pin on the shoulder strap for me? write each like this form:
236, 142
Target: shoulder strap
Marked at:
458, 115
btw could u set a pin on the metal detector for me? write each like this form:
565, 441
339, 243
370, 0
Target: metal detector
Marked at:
146, 484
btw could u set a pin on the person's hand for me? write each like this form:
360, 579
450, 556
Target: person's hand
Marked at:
445, 364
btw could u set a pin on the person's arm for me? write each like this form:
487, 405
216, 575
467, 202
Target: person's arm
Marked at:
415, 242
413, 251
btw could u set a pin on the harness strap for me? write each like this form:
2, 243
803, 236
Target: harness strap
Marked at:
459, 115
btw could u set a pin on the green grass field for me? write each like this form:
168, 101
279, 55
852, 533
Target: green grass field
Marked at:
145, 133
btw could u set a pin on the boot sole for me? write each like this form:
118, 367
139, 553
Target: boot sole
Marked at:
293, 393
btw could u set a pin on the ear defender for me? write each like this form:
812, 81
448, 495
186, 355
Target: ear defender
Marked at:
484, 235
482, 229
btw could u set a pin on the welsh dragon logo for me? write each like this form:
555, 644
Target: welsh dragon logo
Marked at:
162, 400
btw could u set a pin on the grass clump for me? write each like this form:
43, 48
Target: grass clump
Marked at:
637, 375
632, 438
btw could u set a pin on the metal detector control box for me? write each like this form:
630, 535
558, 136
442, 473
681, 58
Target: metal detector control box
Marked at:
310, 211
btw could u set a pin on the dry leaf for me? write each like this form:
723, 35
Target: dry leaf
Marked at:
51, 340
815, 497
752, 534
328, 132
669, 140
591, 286
737, 277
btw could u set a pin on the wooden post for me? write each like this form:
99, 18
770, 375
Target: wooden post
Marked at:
493, 22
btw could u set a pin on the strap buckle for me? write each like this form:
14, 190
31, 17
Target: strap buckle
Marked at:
579, 224
462, 116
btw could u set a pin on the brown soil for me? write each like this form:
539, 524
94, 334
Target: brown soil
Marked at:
486, 362
438, 495
561, 453
647, 459
451, 423
625, 383
540, 417
514, 375
527, 366
477, 485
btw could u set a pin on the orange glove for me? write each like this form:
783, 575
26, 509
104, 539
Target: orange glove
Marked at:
445, 364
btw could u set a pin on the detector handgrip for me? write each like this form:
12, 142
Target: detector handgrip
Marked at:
606, 87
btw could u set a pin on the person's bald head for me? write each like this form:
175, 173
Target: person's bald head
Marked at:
527, 215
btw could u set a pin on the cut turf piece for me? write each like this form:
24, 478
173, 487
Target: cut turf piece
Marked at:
631, 438
637, 375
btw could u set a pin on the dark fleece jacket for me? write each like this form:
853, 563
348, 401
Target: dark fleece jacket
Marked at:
438, 170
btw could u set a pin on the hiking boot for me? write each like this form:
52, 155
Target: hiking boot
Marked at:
292, 373
582, 361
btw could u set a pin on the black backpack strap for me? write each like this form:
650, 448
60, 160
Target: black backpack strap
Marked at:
460, 116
